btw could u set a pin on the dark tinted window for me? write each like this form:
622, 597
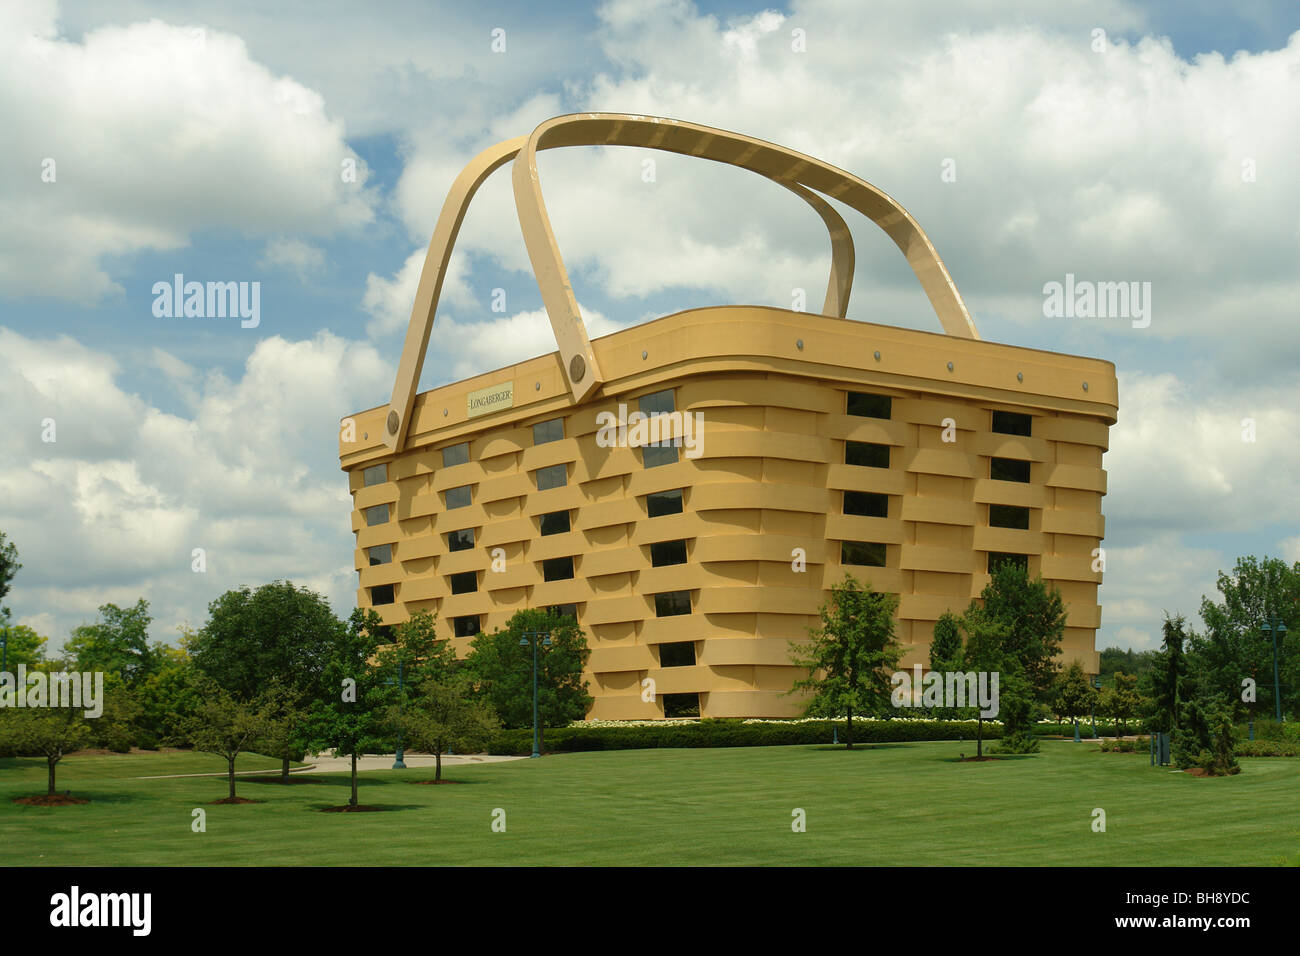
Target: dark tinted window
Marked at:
869, 406
672, 603
564, 610
554, 476
455, 454
381, 594
667, 552
557, 569
866, 454
664, 503
655, 455
376, 515
867, 553
464, 583
997, 559
465, 626
681, 705
677, 655
1012, 423
557, 522
1008, 516
461, 540
1008, 469
657, 403
374, 475
866, 503
458, 497
380, 554
544, 432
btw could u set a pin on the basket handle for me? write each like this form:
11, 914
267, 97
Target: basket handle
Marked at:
794, 170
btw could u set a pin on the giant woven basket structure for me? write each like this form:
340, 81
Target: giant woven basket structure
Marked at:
810, 445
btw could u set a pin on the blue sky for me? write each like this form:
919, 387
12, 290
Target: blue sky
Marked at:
206, 138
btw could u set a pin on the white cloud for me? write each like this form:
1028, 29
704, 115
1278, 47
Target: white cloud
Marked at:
295, 256
154, 131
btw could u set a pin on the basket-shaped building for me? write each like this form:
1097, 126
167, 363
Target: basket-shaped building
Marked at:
689, 489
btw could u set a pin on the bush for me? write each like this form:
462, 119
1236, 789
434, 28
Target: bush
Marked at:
1017, 742
1267, 748
1141, 745
737, 733
1269, 730
1204, 738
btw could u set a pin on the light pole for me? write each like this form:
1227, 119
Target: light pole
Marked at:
398, 763
532, 637
1096, 686
1277, 629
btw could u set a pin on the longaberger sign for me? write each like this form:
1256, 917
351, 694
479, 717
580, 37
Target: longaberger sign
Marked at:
490, 399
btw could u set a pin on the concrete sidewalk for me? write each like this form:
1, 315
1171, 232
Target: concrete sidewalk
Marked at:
327, 764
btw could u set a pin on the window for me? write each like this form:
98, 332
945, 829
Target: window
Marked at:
657, 403
866, 503
381, 594
458, 497
997, 559
681, 654
1008, 516
374, 475
866, 454
557, 522
663, 553
550, 431
869, 406
465, 626
681, 705
1008, 469
455, 454
554, 476
461, 540
672, 603
655, 455
564, 610
376, 515
659, 503
464, 583
1012, 423
868, 553
557, 569
380, 554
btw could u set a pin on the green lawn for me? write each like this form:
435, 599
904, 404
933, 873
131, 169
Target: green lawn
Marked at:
886, 805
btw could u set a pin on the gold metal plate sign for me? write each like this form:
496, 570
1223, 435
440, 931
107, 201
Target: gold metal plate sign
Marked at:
490, 399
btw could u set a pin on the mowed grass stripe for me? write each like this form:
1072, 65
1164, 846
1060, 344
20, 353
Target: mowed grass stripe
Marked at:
892, 804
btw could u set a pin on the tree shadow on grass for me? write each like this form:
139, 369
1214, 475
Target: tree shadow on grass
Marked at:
857, 747
363, 807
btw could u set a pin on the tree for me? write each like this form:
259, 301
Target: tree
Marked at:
414, 655
1033, 616
24, 646
117, 643
1168, 671
851, 656
501, 670
50, 732
1203, 738
1074, 695
1124, 702
984, 641
444, 716
278, 632
1235, 646
946, 654
167, 696
225, 725
346, 715
9, 566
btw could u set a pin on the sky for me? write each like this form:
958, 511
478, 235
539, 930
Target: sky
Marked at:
309, 150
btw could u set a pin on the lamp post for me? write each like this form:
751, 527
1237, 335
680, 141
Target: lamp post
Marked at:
533, 637
1277, 629
1096, 686
398, 763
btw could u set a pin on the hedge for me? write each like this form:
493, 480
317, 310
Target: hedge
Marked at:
1267, 748
736, 733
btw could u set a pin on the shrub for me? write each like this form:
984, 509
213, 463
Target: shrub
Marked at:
1267, 748
736, 733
